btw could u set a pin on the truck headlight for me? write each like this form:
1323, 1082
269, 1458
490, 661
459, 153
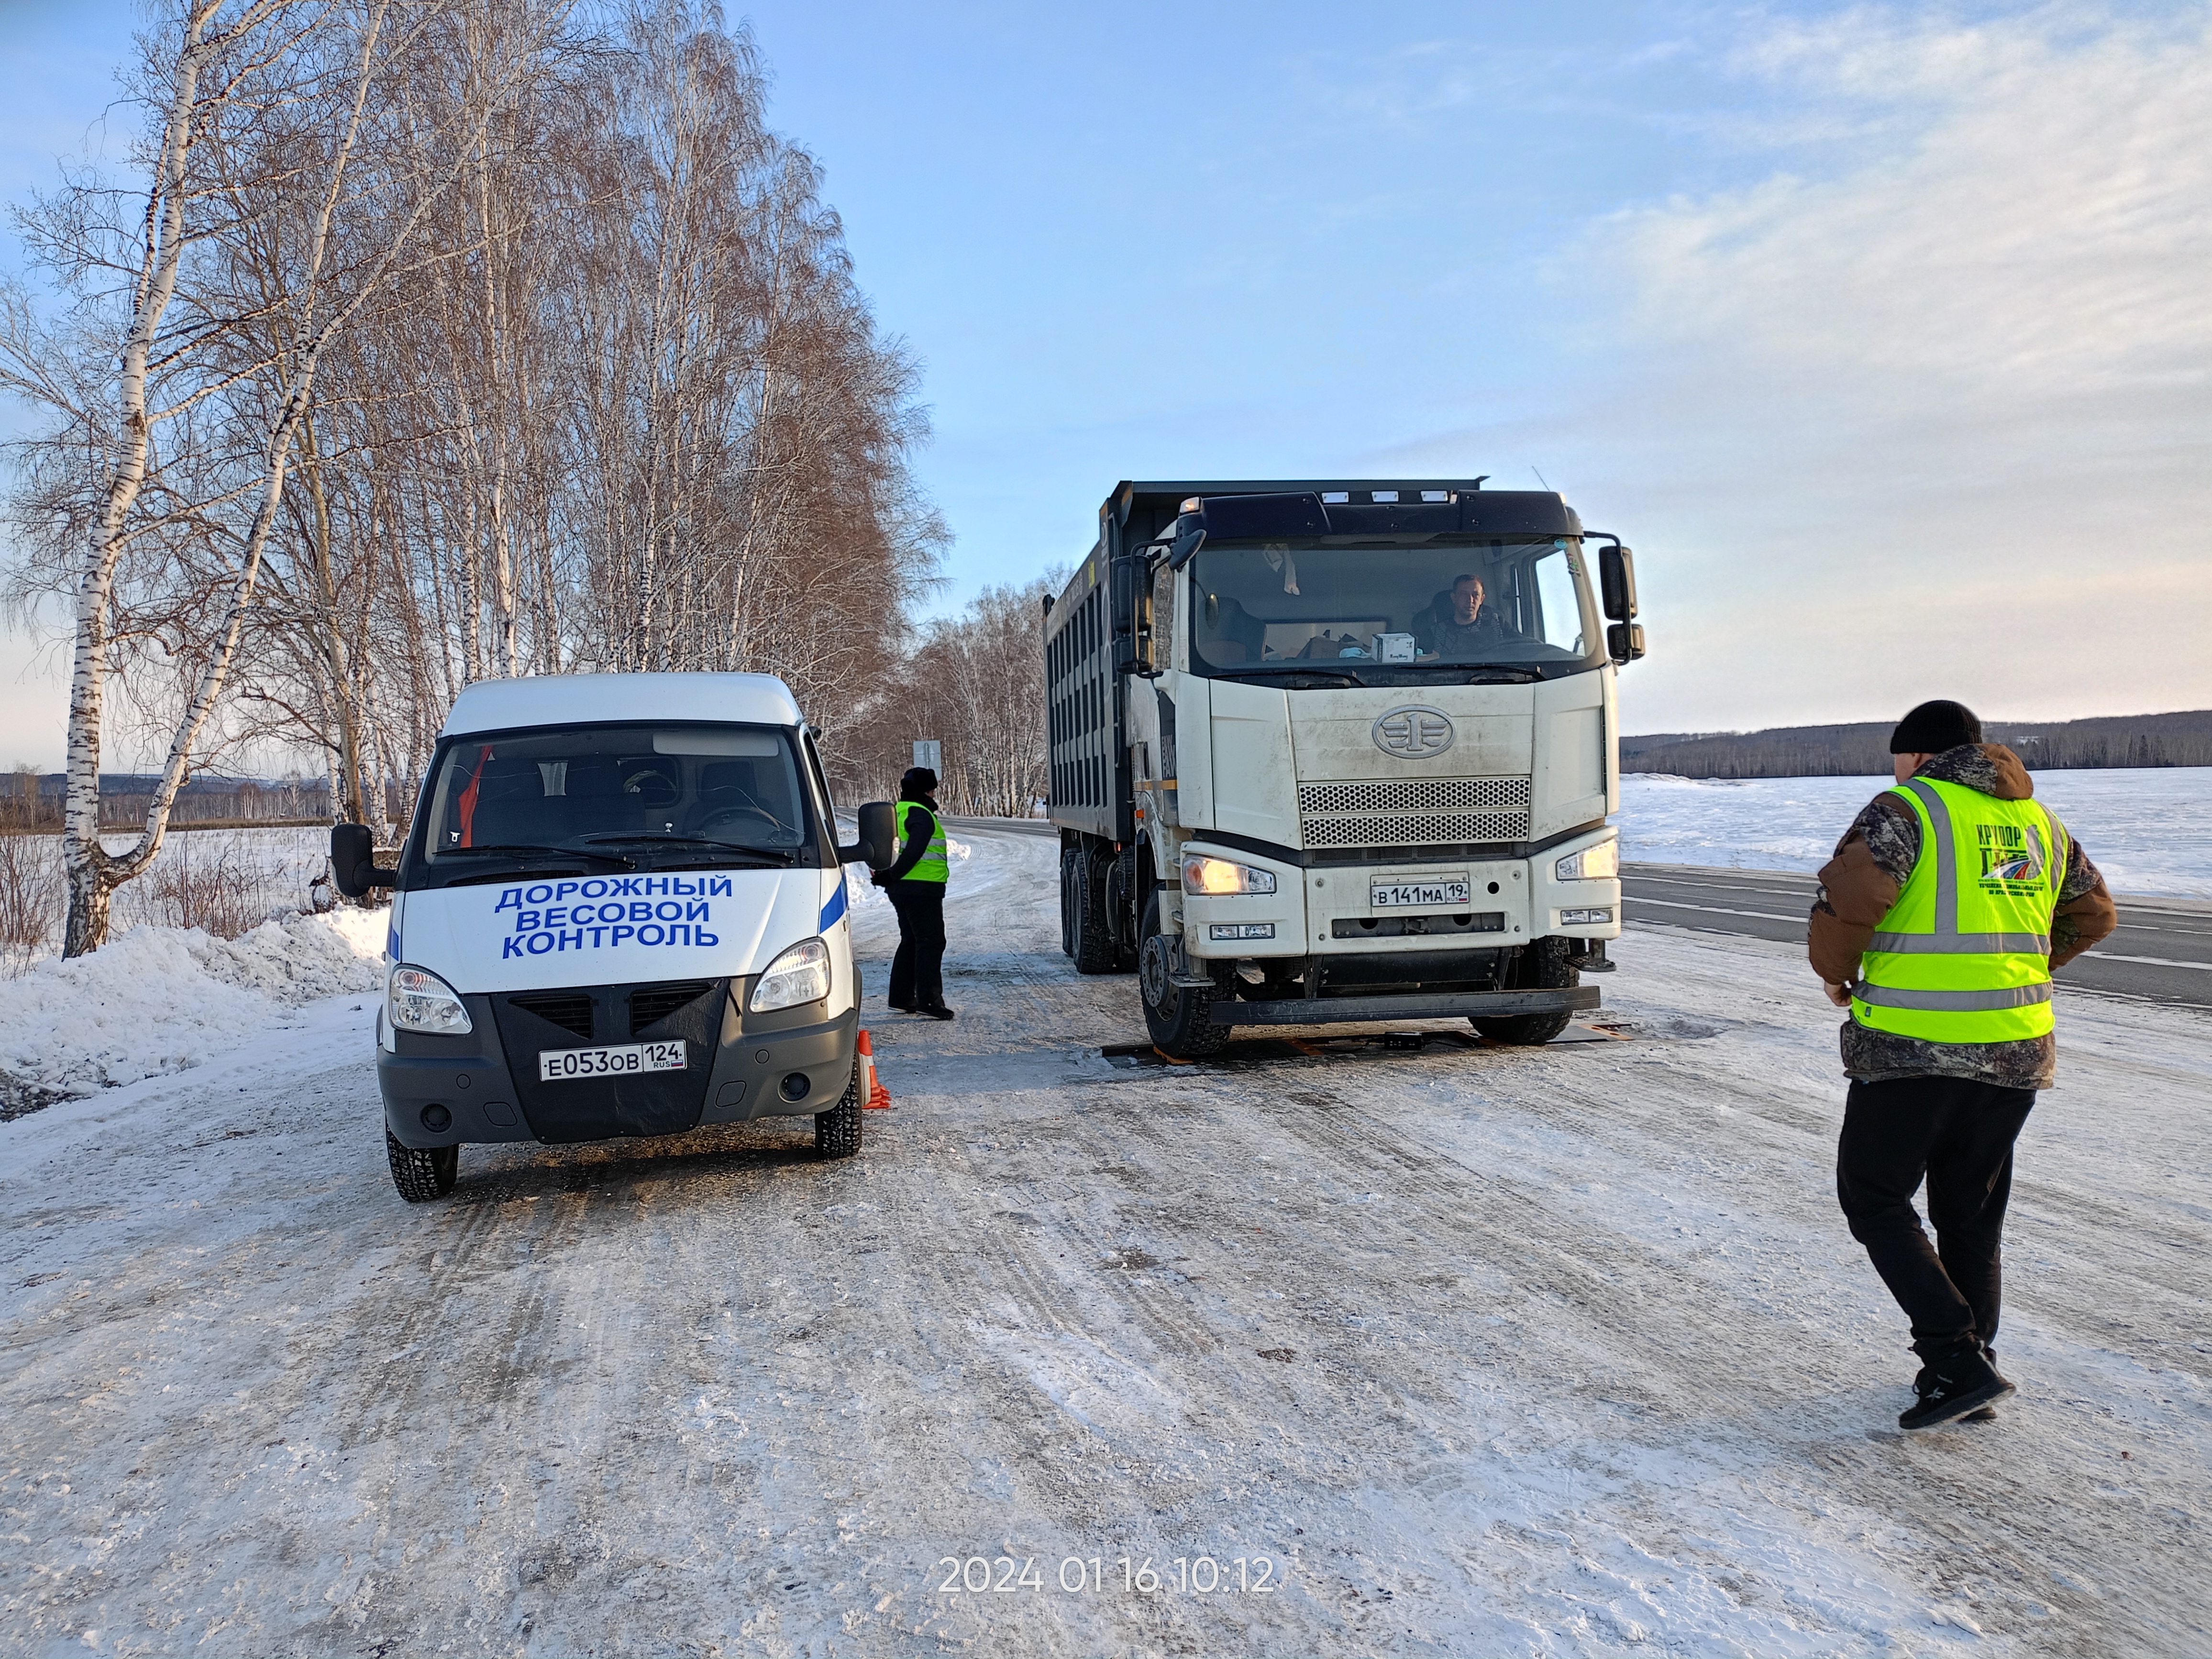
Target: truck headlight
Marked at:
799, 975
416, 999
1597, 863
1205, 875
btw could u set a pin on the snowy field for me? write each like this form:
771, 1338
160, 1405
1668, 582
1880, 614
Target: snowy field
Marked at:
1480, 1350
2148, 830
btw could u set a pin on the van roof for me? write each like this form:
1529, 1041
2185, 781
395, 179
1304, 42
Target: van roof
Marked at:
580, 699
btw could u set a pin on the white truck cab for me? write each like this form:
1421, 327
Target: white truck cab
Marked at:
621, 910
1328, 752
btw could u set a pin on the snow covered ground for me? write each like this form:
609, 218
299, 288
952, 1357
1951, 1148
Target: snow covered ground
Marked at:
2148, 829
1480, 1350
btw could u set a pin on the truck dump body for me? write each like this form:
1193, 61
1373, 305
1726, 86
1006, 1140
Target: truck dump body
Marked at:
1405, 682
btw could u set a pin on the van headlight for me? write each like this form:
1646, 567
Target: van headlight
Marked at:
799, 975
1598, 863
1205, 875
416, 999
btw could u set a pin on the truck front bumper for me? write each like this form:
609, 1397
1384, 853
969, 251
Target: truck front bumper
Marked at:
1350, 1010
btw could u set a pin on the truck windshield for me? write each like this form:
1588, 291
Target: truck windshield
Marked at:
614, 797
1455, 602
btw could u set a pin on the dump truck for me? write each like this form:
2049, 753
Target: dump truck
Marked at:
1334, 752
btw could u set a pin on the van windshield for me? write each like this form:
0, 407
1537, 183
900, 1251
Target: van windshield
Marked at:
1448, 601
674, 796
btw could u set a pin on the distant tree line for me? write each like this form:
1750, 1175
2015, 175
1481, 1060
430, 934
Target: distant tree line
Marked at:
1862, 750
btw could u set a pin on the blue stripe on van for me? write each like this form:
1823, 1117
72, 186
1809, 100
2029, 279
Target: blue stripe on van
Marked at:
835, 908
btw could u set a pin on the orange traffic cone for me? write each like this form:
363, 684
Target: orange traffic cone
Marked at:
878, 1098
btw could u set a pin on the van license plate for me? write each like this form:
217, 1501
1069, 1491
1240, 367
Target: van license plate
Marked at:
1416, 895
614, 1060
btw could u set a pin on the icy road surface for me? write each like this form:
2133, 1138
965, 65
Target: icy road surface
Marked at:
1480, 1350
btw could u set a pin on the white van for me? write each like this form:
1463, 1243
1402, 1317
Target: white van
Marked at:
620, 911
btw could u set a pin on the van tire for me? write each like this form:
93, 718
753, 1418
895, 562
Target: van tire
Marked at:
1093, 928
837, 1131
1181, 1024
1541, 966
422, 1173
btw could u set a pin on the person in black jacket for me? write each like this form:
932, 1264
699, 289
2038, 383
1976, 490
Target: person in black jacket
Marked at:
914, 884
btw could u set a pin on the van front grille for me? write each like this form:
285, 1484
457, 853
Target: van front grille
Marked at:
1414, 812
651, 1003
570, 1010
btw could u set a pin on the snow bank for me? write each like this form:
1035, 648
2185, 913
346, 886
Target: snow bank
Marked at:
2144, 826
159, 1000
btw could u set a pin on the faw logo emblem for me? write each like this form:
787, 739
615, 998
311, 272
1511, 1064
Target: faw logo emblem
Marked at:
1414, 732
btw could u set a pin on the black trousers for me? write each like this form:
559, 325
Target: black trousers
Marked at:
1959, 1135
918, 969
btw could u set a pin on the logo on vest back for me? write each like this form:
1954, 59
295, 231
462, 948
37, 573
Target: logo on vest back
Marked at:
2012, 857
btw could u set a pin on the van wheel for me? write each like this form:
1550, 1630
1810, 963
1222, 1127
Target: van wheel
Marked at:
1542, 966
1180, 1020
837, 1131
422, 1173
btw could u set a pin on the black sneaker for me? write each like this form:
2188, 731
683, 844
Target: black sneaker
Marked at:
1954, 1387
940, 1011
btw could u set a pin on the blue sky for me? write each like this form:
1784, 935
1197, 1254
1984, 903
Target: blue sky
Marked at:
1878, 332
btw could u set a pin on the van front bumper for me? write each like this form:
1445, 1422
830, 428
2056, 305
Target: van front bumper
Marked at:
489, 1094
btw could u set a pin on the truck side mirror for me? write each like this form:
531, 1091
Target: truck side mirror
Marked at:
353, 862
1624, 641
1616, 580
1185, 547
878, 846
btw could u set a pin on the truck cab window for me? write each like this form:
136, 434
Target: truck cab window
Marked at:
1448, 601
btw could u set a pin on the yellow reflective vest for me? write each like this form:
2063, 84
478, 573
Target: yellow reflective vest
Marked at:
933, 865
1964, 955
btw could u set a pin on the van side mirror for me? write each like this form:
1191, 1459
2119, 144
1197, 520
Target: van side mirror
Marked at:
1616, 581
353, 862
878, 846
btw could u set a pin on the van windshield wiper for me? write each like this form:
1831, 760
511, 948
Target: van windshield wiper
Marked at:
520, 849
730, 849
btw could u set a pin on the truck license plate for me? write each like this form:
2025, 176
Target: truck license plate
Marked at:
612, 1060
1416, 895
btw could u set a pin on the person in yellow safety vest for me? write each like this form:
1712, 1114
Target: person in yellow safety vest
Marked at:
914, 884
1948, 903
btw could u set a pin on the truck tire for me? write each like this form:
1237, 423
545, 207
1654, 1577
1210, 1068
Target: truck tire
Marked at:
837, 1131
422, 1173
1180, 1020
1094, 927
1067, 930
1541, 966
1122, 908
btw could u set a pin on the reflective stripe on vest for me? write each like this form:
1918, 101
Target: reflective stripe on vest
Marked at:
1993, 866
933, 865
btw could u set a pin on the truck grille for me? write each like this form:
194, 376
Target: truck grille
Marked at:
1414, 812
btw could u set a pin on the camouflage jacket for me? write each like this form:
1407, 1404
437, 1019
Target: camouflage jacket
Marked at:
1860, 882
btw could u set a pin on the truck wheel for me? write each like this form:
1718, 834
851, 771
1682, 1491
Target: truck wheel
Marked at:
1122, 909
1542, 966
1179, 1020
422, 1173
837, 1131
1094, 927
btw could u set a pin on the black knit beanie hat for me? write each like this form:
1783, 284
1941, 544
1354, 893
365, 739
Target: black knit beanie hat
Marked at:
1934, 728
918, 781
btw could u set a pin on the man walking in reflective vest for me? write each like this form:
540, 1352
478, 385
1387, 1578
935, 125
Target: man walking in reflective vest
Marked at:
1947, 905
915, 886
